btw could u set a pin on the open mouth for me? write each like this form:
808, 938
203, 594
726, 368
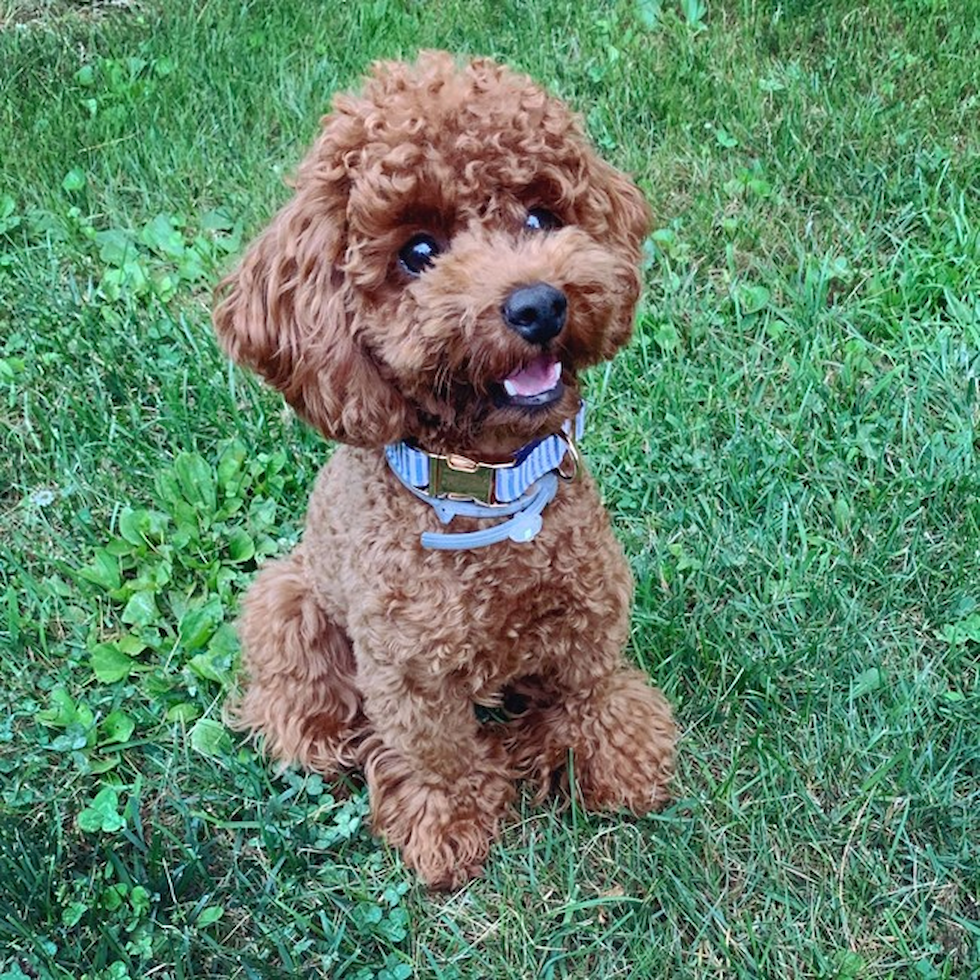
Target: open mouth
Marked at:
534, 385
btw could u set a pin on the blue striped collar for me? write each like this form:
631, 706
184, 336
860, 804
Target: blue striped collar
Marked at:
519, 488
494, 484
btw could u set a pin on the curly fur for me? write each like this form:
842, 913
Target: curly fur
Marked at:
362, 648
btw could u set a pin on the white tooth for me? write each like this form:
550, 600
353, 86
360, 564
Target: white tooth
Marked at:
510, 387
557, 371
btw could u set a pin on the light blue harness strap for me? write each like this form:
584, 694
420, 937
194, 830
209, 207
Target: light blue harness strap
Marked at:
524, 514
520, 528
522, 489
447, 508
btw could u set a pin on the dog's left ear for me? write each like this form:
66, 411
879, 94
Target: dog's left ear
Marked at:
626, 209
287, 313
628, 222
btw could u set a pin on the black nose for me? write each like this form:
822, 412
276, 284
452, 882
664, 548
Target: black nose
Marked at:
536, 312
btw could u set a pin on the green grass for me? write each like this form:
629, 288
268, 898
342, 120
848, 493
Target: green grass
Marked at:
788, 448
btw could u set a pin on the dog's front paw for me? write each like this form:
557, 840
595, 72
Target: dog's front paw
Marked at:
446, 850
444, 829
625, 750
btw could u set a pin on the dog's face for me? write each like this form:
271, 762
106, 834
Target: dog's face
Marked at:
455, 253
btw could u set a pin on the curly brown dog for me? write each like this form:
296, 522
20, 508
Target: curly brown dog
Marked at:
454, 255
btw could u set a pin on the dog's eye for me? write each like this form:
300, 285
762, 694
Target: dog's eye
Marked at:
541, 219
418, 253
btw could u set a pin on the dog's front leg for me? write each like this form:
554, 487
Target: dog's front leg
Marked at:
438, 786
618, 728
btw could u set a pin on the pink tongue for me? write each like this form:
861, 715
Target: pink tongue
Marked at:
538, 376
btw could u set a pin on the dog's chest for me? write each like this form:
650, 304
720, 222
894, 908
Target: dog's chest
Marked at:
484, 614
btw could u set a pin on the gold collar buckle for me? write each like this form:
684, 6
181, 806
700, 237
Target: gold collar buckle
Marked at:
461, 478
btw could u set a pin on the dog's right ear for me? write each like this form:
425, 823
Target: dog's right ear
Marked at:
287, 313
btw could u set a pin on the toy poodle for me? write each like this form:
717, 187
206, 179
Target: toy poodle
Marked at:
454, 255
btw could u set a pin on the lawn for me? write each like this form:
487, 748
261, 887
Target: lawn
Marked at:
788, 448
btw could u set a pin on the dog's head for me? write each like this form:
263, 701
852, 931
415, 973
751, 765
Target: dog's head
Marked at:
454, 254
